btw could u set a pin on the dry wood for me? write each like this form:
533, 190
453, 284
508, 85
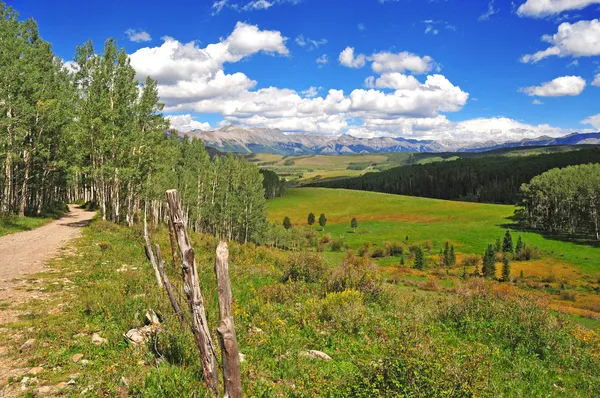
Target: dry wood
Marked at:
176, 261
192, 289
229, 349
150, 254
168, 287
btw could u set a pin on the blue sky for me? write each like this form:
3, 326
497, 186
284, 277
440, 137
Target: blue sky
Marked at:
452, 69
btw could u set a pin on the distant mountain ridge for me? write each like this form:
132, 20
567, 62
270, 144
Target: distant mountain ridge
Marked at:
262, 140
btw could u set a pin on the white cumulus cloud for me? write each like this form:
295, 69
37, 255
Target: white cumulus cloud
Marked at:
580, 39
596, 81
561, 86
185, 123
138, 36
593, 120
544, 8
347, 58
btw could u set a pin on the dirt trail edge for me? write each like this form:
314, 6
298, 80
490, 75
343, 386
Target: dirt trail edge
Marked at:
26, 253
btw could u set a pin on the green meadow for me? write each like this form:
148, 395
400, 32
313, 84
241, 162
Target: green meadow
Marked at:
383, 217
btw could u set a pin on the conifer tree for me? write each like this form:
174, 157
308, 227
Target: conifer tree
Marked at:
507, 245
354, 224
519, 245
287, 223
505, 269
452, 257
489, 263
322, 221
419, 258
311, 219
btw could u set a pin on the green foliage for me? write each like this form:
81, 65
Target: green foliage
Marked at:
488, 268
394, 249
287, 223
519, 245
274, 186
337, 245
564, 200
507, 244
528, 253
322, 220
289, 162
304, 266
311, 219
419, 258
505, 269
492, 179
354, 223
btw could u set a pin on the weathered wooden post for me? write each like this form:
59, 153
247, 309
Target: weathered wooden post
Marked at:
168, 287
176, 262
195, 301
150, 254
232, 377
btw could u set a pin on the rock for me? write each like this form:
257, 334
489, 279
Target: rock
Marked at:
85, 362
77, 357
35, 371
62, 385
27, 345
242, 357
151, 317
96, 339
316, 355
254, 330
43, 391
140, 335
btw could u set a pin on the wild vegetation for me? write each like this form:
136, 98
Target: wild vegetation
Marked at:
564, 200
491, 179
91, 132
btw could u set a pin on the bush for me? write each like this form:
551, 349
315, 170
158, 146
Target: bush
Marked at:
304, 266
568, 296
364, 249
337, 245
325, 239
344, 310
528, 253
394, 249
471, 260
289, 162
356, 273
378, 252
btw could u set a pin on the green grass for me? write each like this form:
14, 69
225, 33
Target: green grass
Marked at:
15, 224
384, 339
383, 217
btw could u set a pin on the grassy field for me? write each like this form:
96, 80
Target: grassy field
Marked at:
15, 224
440, 337
382, 217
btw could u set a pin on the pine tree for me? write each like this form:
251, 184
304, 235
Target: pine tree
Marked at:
354, 224
287, 223
498, 245
419, 258
489, 263
452, 257
519, 245
446, 254
322, 221
311, 219
505, 269
507, 245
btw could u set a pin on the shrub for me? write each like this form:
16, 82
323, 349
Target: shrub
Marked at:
394, 249
378, 252
289, 162
364, 249
471, 260
320, 247
528, 253
345, 309
568, 296
104, 245
304, 266
325, 239
356, 273
337, 245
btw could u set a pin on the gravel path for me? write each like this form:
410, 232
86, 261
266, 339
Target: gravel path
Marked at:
26, 253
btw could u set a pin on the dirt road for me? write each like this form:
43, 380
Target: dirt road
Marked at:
26, 253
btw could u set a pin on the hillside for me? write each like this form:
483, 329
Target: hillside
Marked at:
261, 140
492, 179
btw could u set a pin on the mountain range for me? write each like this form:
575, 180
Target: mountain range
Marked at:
262, 140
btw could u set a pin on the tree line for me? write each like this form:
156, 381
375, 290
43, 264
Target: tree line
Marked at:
564, 200
91, 132
490, 179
